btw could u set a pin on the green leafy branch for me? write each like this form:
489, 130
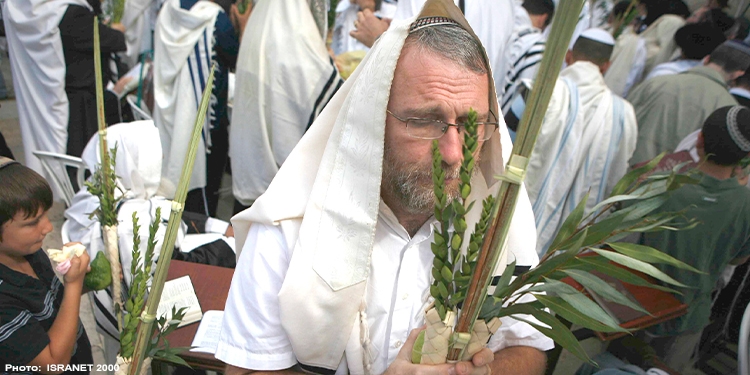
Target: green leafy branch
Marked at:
102, 185
587, 243
141, 274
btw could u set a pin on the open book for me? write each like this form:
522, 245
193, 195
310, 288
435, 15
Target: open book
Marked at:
621, 313
207, 337
180, 293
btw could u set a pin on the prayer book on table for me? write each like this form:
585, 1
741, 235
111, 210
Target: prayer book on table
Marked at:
207, 337
621, 313
180, 293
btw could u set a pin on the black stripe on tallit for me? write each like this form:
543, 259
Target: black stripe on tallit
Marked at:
316, 370
319, 103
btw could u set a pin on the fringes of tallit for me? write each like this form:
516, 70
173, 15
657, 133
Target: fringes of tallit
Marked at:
364, 337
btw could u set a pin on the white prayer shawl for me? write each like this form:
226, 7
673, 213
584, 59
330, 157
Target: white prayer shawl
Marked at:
138, 170
586, 140
38, 67
492, 21
673, 67
526, 53
138, 18
628, 59
182, 61
329, 185
284, 78
635, 56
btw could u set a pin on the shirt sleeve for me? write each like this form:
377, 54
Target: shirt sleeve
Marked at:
22, 338
252, 336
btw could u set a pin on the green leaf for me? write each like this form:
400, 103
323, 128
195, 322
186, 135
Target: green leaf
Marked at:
576, 307
504, 282
632, 176
571, 314
638, 266
603, 289
651, 255
446, 273
571, 223
416, 352
554, 329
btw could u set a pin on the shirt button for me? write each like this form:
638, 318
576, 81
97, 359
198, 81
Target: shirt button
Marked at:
405, 296
397, 344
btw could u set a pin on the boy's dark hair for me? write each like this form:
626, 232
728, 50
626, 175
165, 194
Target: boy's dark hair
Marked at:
23, 191
591, 50
698, 40
726, 132
537, 7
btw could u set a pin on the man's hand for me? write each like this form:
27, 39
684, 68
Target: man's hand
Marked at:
118, 26
369, 27
402, 364
239, 20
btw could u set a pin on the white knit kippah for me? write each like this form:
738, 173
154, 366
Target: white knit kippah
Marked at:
734, 130
598, 35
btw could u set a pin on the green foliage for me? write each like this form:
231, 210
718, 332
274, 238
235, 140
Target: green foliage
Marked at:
141, 272
630, 209
102, 185
100, 275
452, 266
161, 330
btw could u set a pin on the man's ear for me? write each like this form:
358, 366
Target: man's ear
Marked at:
569, 60
736, 74
700, 145
604, 67
705, 60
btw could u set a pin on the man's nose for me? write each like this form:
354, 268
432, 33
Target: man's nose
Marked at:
450, 145
46, 225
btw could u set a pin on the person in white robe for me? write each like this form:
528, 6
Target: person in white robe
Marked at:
635, 55
527, 49
334, 272
139, 19
38, 68
587, 137
182, 62
346, 14
284, 78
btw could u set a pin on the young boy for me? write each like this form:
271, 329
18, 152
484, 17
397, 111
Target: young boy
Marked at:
40, 331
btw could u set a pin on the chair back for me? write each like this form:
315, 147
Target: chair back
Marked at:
743, 350
139, 113
56, 167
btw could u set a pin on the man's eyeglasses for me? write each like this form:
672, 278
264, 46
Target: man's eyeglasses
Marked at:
423, 128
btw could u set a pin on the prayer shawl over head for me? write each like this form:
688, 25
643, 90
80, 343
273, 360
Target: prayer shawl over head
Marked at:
493, 23
525, 55
584, 145
138, 170
284, 78
182, 61
326, 198
38, 67
635, 55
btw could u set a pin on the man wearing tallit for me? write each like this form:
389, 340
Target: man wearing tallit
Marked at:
285, 76
335, 266
587, 137
190, 37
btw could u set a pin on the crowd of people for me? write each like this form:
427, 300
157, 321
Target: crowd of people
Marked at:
332, 173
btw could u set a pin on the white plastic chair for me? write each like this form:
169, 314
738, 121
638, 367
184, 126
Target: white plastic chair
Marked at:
743, 351
55, 166
139, 113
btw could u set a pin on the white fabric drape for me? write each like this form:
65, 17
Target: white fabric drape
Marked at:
284, 78
182, 60
584, 145
38, 66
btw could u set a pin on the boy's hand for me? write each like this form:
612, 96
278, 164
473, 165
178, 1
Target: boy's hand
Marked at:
78, 267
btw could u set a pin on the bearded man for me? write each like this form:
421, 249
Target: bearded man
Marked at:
336, 264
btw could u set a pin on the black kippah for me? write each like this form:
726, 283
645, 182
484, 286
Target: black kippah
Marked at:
726, 134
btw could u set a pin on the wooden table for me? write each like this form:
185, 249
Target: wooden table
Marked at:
662, 305
211, 285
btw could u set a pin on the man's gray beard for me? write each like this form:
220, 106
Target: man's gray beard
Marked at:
412, 184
